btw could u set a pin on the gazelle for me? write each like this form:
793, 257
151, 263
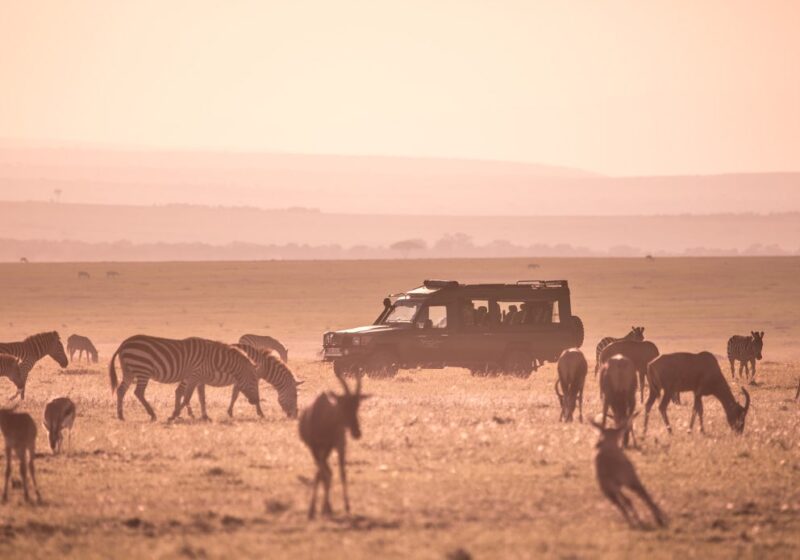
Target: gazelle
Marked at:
59, 415
323, 427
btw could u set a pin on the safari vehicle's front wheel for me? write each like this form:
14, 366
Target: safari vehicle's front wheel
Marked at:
345, 368
518, 363
381, 364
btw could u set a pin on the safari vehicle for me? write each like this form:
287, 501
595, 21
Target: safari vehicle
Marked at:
487, 328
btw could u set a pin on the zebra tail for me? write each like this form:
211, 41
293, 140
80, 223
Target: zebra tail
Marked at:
112, 372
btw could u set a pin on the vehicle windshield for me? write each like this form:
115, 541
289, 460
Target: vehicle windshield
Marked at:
403, 312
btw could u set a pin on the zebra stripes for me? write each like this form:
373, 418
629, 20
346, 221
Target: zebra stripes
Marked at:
33, 349
265, 343
10, 367
275, 372
746, 349
637, 334
81, 344
189, 362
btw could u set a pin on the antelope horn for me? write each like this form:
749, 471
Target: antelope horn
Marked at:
344, 384
746, 400
358, 383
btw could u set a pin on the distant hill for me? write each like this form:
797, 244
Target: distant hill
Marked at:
374, 185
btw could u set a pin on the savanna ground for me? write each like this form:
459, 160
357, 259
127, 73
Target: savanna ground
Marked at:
447, 461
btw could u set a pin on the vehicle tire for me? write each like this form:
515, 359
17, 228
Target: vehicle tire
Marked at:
577, 331
345, 368
518, 363
484, 370
381, 364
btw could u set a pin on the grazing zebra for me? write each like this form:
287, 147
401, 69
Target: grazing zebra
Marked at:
637, 334
33, 349
265, 343
189, 362
10, 367
746, 349
81, 344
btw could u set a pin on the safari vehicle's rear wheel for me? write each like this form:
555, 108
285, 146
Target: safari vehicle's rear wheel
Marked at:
381, 364
518, 363
577, 331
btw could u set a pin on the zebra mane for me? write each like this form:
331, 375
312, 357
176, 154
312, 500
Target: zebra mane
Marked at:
43, 335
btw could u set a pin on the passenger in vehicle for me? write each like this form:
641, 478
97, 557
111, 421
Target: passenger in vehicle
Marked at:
512, 315
468, 314
494, 317
481, 315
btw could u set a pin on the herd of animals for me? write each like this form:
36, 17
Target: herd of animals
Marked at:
624, 366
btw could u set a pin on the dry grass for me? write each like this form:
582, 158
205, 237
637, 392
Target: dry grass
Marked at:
447, 461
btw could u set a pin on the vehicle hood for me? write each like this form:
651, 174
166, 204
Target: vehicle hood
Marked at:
374, 329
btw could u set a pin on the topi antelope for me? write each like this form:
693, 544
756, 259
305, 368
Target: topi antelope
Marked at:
640, 353
572, 370
59, 415
699, 373
323, 427
19, 431
618, 391
636, 333
615, 472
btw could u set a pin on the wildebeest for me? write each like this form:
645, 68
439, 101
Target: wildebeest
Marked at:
640, 353
19, 432
59, 415
699, 373
615, 472
81, 344
746, 349
572, 368
265, 343
618, 391
323, 427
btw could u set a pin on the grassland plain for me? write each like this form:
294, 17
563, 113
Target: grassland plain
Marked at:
447, 461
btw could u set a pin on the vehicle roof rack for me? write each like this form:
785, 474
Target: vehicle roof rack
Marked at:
543, 283
440, 284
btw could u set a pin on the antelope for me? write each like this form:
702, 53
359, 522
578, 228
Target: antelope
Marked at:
572, 370
615, 472
59, 415
83, 275
323, 427
11, 367
19, 432
640, 353
636, 333
618, 391
699, 373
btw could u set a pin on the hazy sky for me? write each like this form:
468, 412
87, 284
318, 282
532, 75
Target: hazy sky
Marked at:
633, 87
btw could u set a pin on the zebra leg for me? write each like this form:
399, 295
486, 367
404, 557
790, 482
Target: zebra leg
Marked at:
141, 385
201, 394
753, 371
121, 390
176, 411
733, 367
234, 396
742, 367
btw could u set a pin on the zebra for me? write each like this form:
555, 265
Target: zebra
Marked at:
265, 343
189, 362
637, 334
745, 349
10, 367
33, 349
81, 344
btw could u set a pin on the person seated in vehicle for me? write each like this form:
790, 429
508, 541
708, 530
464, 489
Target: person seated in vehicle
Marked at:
468, 314
512, 315
494, 317
481, 315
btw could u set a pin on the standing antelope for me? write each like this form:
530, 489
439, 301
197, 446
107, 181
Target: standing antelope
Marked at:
572, 368
19, 432
188, 362
81, 344
746, 349
33, 349
640, 353
636, 333
699, 373
11, 367
265, 343
323, 427
615, 472
59, 415
618, 391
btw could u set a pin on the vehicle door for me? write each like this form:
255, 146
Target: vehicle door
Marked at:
431, 342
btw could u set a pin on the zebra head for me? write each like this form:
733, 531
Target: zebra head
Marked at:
287, 398
56, 350
758, 342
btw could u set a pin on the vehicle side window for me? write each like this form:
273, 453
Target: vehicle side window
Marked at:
437, 317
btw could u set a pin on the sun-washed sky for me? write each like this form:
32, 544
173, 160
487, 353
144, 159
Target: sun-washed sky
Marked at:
618, 87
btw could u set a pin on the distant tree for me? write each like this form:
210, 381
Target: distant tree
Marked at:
408, 245
57, 195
